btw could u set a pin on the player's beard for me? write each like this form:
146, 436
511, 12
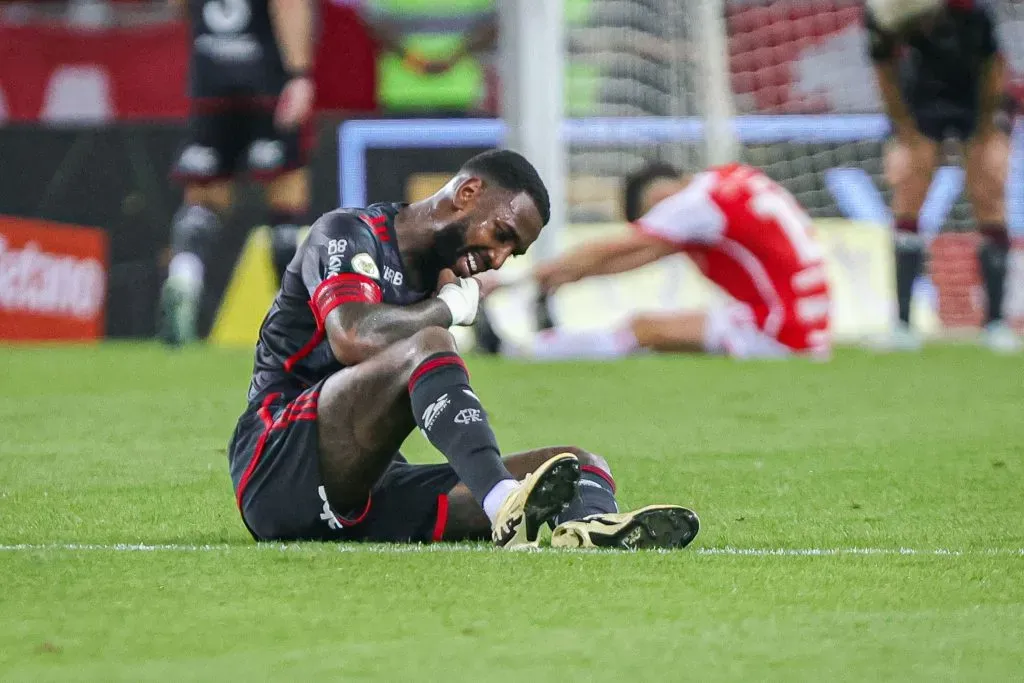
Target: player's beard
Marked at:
449, 245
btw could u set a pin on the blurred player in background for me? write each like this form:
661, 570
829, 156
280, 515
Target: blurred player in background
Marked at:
355, 354
941, 76
251, 95
744, 232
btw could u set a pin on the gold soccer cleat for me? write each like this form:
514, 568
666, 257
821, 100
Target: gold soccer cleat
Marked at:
537, 501
655, 526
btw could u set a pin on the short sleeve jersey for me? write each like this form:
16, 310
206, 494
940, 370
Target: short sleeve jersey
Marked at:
349, 255
751, 238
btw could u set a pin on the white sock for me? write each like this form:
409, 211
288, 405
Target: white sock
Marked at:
188, 268
497, 495
559, 344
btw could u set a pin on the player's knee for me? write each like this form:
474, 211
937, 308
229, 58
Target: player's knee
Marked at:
588, 459
430, 341
194, 229
897, 164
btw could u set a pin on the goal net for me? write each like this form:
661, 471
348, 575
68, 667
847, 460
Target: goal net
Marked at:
791, 91
802, 60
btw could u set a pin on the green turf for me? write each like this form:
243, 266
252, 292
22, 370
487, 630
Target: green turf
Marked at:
125, 444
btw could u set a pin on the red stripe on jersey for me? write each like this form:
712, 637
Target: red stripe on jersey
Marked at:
434, 364
331, 293
442, 518
342, 289
379, 225
313, 342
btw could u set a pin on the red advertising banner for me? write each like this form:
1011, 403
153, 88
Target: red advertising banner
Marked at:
55, 74
53, 281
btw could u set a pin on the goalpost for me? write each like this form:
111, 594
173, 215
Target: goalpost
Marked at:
592, 89
533, 60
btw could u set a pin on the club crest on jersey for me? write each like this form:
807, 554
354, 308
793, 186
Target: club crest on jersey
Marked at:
363, 264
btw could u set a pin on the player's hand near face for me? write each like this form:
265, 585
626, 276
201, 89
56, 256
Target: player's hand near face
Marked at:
462, 295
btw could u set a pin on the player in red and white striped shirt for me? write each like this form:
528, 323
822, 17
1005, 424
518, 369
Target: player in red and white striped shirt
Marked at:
747, 235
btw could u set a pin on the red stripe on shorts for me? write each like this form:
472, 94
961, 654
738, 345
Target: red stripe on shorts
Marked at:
442, 518
261, 443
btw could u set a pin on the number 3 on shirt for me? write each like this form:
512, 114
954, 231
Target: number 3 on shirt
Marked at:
771, 202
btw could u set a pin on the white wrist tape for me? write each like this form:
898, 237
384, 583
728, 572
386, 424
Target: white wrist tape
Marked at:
463, 299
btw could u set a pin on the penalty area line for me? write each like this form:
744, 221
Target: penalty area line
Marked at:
384, 549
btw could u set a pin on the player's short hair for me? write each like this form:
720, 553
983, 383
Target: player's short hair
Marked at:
512, 171
637, 182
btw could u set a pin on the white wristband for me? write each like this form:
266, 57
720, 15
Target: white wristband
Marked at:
463, 299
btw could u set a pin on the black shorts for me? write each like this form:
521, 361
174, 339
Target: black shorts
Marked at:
232, 135
940, 119
275, 469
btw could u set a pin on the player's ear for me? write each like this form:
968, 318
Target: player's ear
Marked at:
467, 192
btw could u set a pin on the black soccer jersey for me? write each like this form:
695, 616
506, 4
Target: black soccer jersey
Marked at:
946, 62
234, 51
349, 255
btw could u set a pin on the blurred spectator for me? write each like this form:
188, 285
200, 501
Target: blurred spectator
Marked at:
435, 56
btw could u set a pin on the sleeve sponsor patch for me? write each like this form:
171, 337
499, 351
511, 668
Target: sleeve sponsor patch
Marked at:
364, 264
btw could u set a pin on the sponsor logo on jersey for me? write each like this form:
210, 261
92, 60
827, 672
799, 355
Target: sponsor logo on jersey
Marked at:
229, 49
333, 265
337, 247
434, 410
363, 263
393, 276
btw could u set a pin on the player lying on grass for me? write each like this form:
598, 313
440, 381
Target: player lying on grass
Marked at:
746, 234
355, 354
942, 75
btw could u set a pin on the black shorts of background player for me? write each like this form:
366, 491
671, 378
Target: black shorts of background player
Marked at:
251, 97
355, 354
942, 76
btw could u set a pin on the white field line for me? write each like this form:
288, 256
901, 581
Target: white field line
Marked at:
383, 549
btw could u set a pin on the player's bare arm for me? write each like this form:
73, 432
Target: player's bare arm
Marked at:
606, 257
358, 331
293, 28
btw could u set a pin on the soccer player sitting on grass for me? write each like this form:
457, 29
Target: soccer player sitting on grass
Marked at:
941, 75
355, 354
747, 235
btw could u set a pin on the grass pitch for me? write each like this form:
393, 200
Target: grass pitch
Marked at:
862, 520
